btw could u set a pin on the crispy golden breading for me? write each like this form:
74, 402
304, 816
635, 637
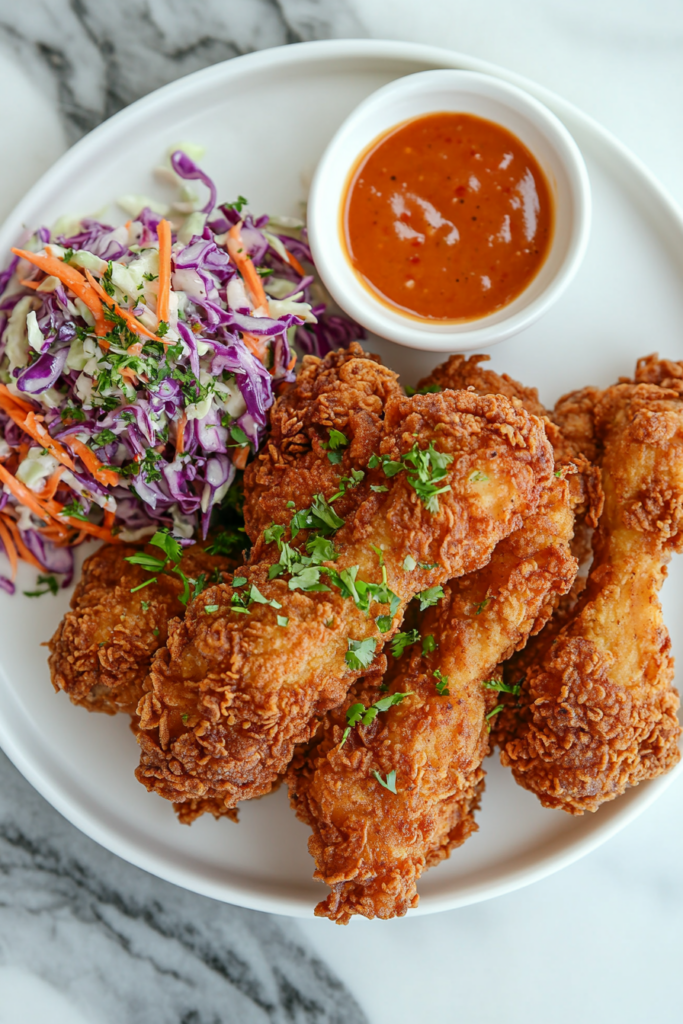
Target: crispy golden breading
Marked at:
598, 708
232, 694
370, 845
346, 391
103, 647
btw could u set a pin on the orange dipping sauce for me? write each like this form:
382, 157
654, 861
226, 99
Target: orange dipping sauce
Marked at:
447, 217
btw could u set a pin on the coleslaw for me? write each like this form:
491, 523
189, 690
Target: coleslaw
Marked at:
137, 366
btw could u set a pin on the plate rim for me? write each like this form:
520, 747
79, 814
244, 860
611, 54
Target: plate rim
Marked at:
160, 866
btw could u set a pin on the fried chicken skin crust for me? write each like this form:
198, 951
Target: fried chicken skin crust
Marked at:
348, 391
102, 649
370, 845
232, 695
597, 707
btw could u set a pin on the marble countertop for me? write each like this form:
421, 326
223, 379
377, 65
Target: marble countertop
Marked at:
85, 937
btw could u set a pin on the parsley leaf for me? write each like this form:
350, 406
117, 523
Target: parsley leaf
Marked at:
320, 516
409, 563
211, 608
500, 687
225, 543
238, 204
145, 606
477, 477
388, 783
403, 640
49, 585
148, 562
429, 597
384, 623
360, 653
338, 440
238, 435
283, 620
441, 683
429, 644
74, 510
479, 608
428, 389
168, 544
492, 713
359, 713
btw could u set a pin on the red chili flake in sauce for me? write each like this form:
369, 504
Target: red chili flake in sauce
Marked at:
448, 217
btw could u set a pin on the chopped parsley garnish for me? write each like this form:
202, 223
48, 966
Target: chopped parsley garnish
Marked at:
429, 597
479, 608
428, 389
155, 631
49, 585
283, 620
492, 713
347, 483
238, 204
384, 623
429, 644
441, 683
257, 597
185, 717
336, 441
145, 605
388, 783
73, 414
359, 713
378, 488
74, 510
238, 581
225, 543
104, 437
360, 653
238, 435
379, 553
477, 477
403, 640
500, 687
409, 563
211, 608
320, 516
173, 553
425, 469
558, 472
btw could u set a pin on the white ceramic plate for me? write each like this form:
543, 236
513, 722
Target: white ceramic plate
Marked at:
265, 119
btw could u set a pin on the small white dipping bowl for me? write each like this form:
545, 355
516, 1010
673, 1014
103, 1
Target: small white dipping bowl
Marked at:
463, 92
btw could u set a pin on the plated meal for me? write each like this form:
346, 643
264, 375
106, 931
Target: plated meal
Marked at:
315, 575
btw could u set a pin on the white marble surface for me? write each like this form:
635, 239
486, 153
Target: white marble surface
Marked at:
87, 938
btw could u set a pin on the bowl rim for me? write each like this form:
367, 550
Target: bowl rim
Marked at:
339, 160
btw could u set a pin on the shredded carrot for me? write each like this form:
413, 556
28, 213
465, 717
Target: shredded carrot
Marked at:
5, 391
24, 553
246, 267
164, 294
257, 345
109, 520
50, 488
240, 456
22, 493
8, 544
72, 279
291, 364
293, 262
94, 531
125, 314
180, 435
37, 431
87, 456
30, 284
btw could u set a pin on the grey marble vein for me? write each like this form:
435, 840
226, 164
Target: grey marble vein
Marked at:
98, 57
124, 946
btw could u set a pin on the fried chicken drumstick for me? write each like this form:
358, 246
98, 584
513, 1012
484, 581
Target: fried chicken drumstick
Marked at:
597, 708
236, 689
102, 649
371, 844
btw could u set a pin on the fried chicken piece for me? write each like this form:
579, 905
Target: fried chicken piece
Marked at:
371, 845
232, 694
347, 391
103, 647
597, 707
